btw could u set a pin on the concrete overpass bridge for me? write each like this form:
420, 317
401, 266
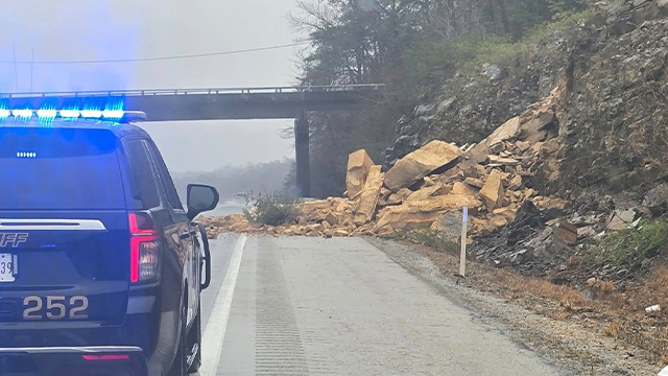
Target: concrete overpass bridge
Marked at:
217, 104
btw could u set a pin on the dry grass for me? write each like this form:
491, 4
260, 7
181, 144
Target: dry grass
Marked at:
564, 295
616, 315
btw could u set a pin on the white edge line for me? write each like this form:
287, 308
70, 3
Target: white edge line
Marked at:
214, 335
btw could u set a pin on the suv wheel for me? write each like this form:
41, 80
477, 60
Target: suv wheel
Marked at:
180, 365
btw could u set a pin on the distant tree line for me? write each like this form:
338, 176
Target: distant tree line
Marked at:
406, 44
230, 180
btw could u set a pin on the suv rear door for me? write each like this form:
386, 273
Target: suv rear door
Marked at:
63, 225
170, 220
189, 259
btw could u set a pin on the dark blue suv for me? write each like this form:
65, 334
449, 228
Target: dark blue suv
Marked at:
100, 265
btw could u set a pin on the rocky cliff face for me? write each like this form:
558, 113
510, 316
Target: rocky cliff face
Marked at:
475, 101
615, 125
614, 119
607, 84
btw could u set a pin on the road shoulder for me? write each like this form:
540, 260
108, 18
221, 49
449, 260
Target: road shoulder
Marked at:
572, 343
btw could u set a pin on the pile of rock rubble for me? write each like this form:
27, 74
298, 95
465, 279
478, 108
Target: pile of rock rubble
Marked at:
430, 186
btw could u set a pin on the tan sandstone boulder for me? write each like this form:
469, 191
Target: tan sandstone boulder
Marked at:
421, 163
359, 164
369, 196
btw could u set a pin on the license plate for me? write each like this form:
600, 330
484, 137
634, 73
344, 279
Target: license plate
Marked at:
7, 267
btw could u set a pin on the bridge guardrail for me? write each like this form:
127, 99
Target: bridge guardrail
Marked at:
255, 90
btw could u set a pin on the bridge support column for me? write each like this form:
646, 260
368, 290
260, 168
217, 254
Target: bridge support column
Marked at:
302, 155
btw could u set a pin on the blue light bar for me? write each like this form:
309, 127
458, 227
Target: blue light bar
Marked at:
50, 114
22, 114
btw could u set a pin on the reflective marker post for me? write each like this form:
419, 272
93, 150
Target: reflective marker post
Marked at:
462, 256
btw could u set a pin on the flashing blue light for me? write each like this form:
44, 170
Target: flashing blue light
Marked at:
112, 114
24, 114
47, 113
26, 154
91, 114
70, 113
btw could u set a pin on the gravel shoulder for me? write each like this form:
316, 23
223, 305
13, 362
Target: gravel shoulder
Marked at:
563, 333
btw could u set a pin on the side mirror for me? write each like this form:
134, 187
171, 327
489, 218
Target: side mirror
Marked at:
201, 198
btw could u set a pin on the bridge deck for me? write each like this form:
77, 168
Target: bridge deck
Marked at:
210, 104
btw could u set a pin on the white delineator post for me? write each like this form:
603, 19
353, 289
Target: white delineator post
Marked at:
462, 256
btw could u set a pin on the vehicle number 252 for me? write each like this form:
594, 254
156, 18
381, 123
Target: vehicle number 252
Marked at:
55, 308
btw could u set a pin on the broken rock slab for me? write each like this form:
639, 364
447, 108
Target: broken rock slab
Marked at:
494, 142
414, 214
507, 131
620, 219
474, 182
515, 183
314, 205
449, 224
493, 192
332, 220
399, 197
359, 164
534, 129
488, 223
420, 163
369, 196
566, 232
460, 188
425, 193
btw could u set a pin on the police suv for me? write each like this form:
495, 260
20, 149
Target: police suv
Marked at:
101, 267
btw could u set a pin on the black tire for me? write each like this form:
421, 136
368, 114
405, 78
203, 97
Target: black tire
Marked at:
196, 338
180, 365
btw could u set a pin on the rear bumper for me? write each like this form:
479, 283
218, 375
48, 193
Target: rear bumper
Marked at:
73, 361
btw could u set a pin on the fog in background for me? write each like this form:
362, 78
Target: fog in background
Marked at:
117, 29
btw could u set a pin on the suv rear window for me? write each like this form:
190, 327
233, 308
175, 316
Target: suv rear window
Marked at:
59, 169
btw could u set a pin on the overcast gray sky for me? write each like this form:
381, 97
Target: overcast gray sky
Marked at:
114, 29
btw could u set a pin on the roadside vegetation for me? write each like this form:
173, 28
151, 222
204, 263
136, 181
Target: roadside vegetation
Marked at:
273, 209
632, 246
425, 236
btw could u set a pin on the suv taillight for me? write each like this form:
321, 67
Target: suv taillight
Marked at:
144, 248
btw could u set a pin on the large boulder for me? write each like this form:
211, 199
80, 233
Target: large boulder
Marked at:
492, 192
369, 196
359, 164
656, 200
507, 131
411, 215
421, 163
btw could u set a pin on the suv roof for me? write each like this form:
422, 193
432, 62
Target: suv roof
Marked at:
119, 129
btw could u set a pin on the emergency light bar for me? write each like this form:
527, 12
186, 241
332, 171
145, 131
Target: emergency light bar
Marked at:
90, 114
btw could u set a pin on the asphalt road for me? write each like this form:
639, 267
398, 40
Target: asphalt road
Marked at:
310, 306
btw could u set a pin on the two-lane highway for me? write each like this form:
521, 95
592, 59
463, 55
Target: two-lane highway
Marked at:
311, 306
